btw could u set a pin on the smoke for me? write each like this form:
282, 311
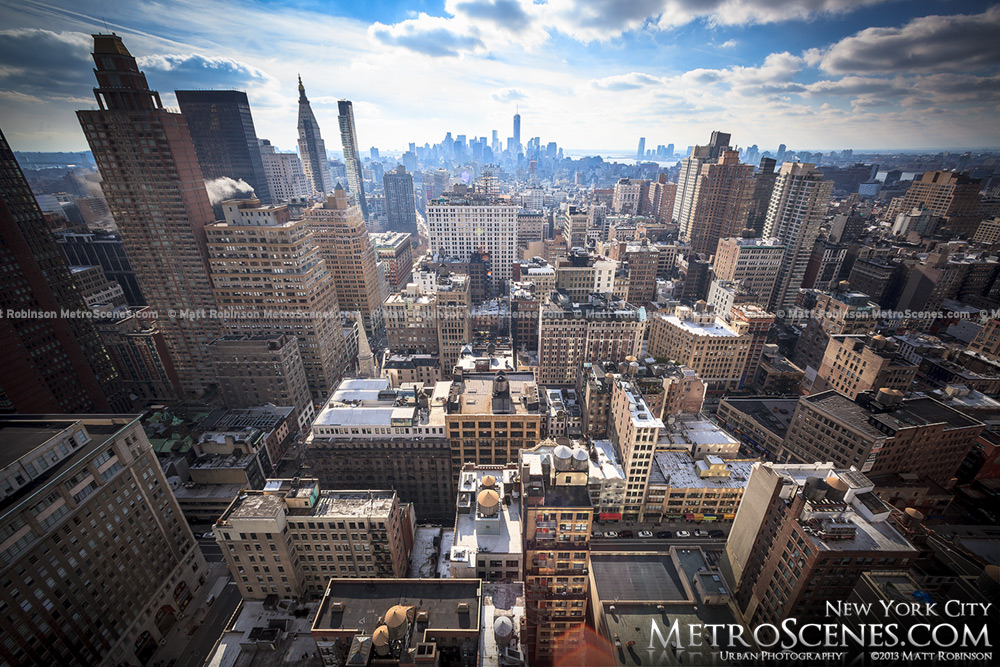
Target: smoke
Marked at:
88, 181
225, 187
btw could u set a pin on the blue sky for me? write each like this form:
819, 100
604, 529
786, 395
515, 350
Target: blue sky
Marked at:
588, 74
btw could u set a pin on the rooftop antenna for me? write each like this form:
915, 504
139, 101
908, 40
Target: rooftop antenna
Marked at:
105, 24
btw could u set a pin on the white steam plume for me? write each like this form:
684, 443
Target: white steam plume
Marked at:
224, 188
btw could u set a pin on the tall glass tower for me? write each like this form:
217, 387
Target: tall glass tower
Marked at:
312, 149
355, 180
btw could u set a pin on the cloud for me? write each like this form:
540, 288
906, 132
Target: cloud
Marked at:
46, 63
728, 44
961, 42
220, 189
430, 35
508, 95
630, 81
505, 14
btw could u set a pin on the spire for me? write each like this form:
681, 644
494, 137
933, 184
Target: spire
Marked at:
366, 360
302, 90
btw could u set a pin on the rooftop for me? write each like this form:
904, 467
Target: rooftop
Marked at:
913, 412
679, 470
773, 414
697, 430
505, 536
637, 577
356, 605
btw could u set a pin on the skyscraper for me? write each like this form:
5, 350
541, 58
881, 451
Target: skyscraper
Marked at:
350, 257
641, 152
56, 363
797, 207
285, 176
160, 205
224, 137
761, 199
312, 149
517, 131
298, 290
687, 179
400, 201
722, 196
348, 135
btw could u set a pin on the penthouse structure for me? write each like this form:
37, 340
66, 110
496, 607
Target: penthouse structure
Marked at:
126, 581
572, 333
882, 433
802, 537
290, 538
371, 435
487, 540
558, 516
695, 337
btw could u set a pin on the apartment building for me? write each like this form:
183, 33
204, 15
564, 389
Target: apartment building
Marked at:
290, 538
634, 431
856, 363
487, 538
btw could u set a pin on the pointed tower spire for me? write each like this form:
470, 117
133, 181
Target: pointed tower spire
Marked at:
366, 360
302, 90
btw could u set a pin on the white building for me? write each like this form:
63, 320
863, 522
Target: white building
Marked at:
284, 174
461, 225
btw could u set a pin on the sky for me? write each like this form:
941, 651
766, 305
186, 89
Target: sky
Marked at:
591, 75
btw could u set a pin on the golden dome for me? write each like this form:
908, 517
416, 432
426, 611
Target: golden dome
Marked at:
381, 636
489, 481
488, 498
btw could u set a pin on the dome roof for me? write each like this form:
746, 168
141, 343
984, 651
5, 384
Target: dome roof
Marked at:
562, 452
381, 636
580, 454
488, 498
489, 480
396, 616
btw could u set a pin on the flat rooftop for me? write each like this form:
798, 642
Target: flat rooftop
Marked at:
365, 601
477, 393
773, 414
679, 471
912, 412
717, 328
695, 430
637, 577
508, 540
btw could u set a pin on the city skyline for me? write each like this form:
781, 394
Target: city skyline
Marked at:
817, 76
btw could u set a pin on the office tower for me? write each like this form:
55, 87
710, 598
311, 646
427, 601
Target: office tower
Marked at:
580, 275
633, 430
77, 592
411, 323
854, 364
269, 278
525, 301
572, 333
339, 227
630, 196
53, 362
797, 207
495, 142
695, 273
490, 417
802, 537
452, 306
371, 435
574, 227
224, 137
487, 542
641, 151
713, 348
161, 206
823, 269
721, 202
462, 225
761, 199
259, 369
106, 250
841, 311
349, 139
360, 534
780, 155
312, 149
688, 176
400, 201
285, 178
517, 132
881, 432
558, 515
754, 263
138, 351
531, 226
642, 259
395, 254
405, 622
951, 195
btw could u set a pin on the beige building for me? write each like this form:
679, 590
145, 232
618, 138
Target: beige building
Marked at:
395, 254
634, 431
988, 231
404, 369
574, 226
573, 333
714, 349
754, 263
856, 363
643, 267
582, 274
630, 196
684, 487
490, 417
79, 592
291, 538
453, 308
433, 321
558, 516
721, 202
987, 341
269, 278
339, 229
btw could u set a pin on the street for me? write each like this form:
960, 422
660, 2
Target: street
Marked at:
208, 633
